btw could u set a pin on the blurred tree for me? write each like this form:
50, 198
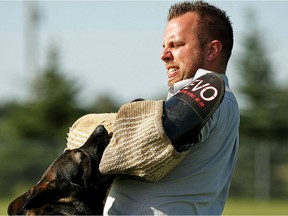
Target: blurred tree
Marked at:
104, 104
56, 99
32, 133
258, 82
264, 125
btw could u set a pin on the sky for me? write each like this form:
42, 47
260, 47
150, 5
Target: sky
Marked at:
113, 47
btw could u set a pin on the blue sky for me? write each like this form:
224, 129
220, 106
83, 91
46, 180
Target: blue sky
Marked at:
113, 47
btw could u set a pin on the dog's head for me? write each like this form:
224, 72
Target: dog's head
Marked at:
71, 185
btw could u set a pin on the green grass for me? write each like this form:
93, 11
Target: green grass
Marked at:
233, 207
3, 206
243, 206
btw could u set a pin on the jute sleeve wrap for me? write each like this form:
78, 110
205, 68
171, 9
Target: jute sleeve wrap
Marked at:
139, 146
81, 129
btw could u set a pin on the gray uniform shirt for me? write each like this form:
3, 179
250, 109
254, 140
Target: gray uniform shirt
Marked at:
200, 183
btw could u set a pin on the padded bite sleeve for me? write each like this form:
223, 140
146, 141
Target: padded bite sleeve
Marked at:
139, 145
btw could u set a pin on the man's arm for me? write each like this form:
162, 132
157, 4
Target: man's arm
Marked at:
150, 137
186, 112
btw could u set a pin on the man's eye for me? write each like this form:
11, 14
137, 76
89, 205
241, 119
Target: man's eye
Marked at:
172, 45
178, 44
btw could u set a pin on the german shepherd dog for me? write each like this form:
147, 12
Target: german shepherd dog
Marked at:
71, 185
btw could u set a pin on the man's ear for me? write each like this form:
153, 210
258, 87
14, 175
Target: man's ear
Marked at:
214, 49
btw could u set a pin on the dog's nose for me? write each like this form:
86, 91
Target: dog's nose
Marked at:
100, 129
100, 133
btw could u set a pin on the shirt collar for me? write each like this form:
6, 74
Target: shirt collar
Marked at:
176, 87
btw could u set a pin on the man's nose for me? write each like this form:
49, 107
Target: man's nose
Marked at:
166, 55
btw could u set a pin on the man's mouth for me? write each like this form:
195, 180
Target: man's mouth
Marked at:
172, 72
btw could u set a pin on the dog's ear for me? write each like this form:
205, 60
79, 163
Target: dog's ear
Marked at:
47, 192
35, 197
16, 206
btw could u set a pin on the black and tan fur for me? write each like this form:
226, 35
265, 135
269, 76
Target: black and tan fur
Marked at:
72, 185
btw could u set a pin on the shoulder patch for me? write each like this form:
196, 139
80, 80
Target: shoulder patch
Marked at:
204, 94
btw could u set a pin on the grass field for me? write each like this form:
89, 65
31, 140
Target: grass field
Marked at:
251, 207
3, 206
233, 207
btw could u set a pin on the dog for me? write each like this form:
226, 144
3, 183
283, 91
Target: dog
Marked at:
72, 184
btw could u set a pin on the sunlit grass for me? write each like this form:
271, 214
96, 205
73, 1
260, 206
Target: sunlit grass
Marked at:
250, 207
3, 206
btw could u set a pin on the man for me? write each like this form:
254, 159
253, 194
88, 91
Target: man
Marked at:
175, 157
198, 39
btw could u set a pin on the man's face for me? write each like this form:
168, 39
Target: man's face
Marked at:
182, 53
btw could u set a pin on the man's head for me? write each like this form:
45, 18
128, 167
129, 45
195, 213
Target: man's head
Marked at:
197, 35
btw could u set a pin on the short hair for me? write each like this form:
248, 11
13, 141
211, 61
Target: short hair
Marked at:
214, 23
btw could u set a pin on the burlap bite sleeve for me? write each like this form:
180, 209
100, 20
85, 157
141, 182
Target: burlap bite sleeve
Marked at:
84, 126
139, 145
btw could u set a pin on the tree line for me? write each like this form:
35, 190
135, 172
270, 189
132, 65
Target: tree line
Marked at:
33, 132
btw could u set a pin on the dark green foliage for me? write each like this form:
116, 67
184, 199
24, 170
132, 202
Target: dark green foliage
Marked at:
33, 132
264, 121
